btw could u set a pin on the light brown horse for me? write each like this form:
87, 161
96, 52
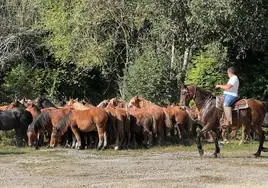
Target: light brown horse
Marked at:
91, 119
142, 124
161, 118
210, 116
75, 104
121, 123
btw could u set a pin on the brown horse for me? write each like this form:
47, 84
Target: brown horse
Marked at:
117, 103
44, 122
121, 123
91, 119
180, 121
161, 118
75, 104
33, 109
12, 105
210, 116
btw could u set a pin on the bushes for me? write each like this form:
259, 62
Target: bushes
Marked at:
55, 81
7, 138
208, 67
151, 78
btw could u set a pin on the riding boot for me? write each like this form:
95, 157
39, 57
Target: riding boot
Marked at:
228, 114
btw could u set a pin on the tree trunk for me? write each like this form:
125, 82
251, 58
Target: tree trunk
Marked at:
187, 57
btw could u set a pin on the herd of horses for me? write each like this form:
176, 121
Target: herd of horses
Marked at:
120, 124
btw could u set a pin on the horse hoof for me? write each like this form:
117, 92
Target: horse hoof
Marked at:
216, 155
201, 152
116, 148
257, 155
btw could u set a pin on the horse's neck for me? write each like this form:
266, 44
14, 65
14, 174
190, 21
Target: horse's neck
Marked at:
145, 104
201, 100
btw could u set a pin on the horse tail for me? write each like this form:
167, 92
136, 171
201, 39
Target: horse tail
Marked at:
154, 125
110, 124
168, 121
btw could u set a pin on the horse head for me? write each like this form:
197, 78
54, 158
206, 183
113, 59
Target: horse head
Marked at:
135, 102
187, 94
103, 104
115, 102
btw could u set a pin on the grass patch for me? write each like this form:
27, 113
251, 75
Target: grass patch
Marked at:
231, 149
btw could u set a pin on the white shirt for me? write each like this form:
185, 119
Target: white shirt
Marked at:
234, 81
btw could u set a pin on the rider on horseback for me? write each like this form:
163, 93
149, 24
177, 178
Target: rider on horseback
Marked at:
230, 93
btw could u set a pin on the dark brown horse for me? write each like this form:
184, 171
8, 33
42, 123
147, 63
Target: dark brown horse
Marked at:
17, 119
91, 119
161, 118
210, 116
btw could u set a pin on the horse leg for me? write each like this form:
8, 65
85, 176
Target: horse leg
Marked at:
198, 142
75, 131
199, 135
260, 132
121, 134
73, 141
217, 148
150, 139
117, 134
179, 133
19, 138
102, 134
37, 140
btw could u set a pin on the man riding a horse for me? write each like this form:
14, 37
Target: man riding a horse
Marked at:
230, 93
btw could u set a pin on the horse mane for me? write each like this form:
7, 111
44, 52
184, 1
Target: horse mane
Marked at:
40, 121
145, 102
206, 92
63, 122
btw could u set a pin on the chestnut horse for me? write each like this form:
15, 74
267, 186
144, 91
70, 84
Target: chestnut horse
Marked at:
33, 109
13, 105
88, 120
161, 118
142, 123
121, 123
210, 116
44, 122
73, 103
180, 121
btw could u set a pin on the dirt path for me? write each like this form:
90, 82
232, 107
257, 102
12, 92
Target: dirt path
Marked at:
134, 168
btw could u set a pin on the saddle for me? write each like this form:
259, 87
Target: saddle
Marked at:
239, 104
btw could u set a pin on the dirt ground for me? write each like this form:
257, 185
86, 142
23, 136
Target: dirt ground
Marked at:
171, 166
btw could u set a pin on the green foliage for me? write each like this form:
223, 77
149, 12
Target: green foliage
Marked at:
100, 48
207, 67
7, 138
58, 82
149, 77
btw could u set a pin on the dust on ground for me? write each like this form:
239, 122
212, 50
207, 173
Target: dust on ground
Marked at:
171, 166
